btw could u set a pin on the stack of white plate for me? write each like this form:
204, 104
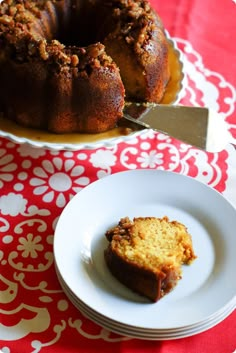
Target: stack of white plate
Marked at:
205, 295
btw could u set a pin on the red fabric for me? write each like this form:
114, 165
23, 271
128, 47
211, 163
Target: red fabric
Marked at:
36, 184
209, 26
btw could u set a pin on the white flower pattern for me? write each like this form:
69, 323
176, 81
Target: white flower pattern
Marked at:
29, 246
56, 177
150, 159
27, 151
12, 204
6, 167
103, 159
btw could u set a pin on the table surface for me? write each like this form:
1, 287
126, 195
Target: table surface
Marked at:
36, 184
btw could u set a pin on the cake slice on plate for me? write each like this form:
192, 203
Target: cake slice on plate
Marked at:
146, 254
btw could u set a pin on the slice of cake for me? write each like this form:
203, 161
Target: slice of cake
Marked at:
146, 254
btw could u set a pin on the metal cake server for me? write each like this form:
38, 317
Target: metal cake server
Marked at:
197, 126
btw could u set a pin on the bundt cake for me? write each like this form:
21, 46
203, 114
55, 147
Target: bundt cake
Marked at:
146, 254
68, 65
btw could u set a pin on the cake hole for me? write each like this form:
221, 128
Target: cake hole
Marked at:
84, 26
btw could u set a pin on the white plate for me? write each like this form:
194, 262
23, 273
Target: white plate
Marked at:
76, 141
135, 332
207, 285
157, 335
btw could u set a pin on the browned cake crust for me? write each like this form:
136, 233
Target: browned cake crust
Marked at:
138, 44
56, 74
146, 254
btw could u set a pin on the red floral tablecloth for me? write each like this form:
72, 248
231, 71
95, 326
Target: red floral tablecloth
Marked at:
36, 184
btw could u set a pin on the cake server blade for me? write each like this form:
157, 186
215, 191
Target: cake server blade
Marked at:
198, 126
